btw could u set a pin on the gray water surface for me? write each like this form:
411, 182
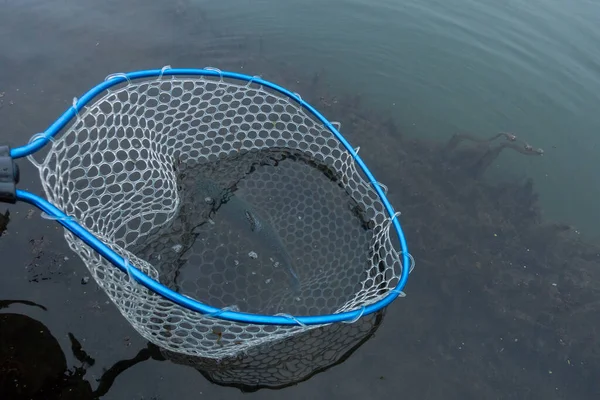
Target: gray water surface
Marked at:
437, 68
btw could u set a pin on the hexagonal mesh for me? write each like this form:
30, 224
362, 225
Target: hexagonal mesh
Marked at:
228, 194
288, 361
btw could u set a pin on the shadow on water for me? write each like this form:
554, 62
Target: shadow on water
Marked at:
33, 365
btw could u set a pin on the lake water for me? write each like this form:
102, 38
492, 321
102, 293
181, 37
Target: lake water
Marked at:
481, 320
531, 68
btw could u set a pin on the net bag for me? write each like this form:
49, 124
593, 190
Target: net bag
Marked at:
218, 211
278, 364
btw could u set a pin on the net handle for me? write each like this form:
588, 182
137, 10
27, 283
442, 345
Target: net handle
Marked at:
156, 287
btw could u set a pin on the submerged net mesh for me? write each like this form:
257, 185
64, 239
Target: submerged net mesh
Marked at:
138, 168
288, 361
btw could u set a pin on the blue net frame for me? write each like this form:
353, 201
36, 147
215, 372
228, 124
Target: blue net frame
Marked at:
40, 140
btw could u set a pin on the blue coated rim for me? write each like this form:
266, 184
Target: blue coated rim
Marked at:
155, 286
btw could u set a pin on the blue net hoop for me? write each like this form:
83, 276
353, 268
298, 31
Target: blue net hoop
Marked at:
136, 273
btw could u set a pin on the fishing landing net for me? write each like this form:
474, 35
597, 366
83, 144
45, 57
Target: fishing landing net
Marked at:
218, 211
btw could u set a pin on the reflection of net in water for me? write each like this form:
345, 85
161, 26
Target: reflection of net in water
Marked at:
125, 170
279, 364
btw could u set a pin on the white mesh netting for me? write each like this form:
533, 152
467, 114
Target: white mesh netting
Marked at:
293, 227
286, 362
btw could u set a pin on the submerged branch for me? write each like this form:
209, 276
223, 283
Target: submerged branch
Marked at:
489, 156
484, 160
459, 137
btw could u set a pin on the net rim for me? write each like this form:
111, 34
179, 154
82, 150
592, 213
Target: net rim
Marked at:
114, 79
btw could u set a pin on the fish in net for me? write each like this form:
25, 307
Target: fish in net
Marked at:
218, 211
